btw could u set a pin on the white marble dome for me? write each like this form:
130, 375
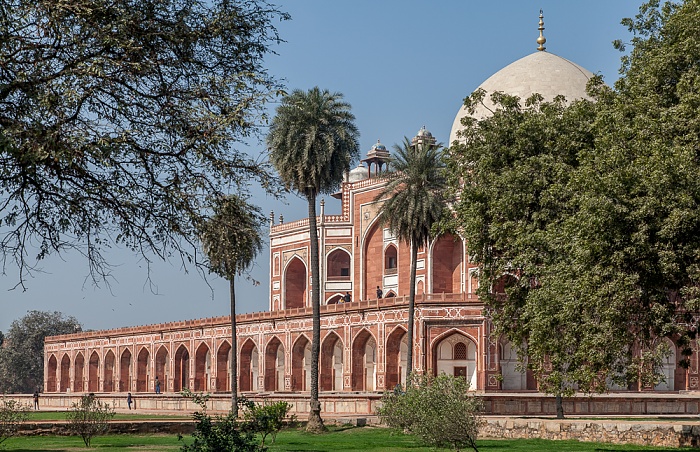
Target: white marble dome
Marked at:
358, 174
541, 72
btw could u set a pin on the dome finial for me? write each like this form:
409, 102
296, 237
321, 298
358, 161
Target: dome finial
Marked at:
541, 40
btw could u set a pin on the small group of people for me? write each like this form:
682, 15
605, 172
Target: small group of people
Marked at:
347, 298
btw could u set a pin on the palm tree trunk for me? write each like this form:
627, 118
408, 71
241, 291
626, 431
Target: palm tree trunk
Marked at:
411, 309
315, 423
560, 406
234, 349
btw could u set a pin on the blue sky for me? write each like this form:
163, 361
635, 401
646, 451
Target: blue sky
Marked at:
401, 64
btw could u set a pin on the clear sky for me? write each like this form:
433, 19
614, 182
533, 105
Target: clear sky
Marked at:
401, 64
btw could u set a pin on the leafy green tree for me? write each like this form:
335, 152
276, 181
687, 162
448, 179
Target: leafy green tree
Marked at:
592, 209
22, 356
119, 118
312, 141
440, 410
266, 419
12, 415
89, 417
413, 202
232, 238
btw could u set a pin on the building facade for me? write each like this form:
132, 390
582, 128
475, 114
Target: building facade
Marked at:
363, 341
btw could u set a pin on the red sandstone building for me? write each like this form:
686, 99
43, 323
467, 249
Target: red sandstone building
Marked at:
363, 342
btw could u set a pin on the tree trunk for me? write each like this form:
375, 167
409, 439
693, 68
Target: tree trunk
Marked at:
315, 423
411, 308
560, 407
234, 348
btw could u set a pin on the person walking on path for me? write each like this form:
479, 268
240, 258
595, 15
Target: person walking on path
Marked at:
157, 385
128, 400
36, 400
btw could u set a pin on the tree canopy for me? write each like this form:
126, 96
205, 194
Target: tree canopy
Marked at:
22, 357
584, 217
119, 118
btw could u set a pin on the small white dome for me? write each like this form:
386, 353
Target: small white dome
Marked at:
540, 72
358, 174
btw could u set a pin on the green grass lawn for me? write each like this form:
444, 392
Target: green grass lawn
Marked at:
347, 439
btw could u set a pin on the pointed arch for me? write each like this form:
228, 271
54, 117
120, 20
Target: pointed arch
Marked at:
249, 366
364, 361
125, 371
182, 368
396, 356
455, 353
202, 367
109, 364
447, 259
331, 369
51, 374
162, 367
668, 368
295, 278
94, 372
338, 265
512, 378
142, 376
274, 365
335, 299
64, 385
372, 253
223, 367
301, 364
79, 373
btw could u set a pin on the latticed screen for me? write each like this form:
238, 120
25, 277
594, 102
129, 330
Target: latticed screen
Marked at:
460, 351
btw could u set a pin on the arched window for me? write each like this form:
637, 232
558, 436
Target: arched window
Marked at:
338, 266
460, 351
390, 260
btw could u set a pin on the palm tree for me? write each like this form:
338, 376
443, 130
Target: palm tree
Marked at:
232, 239
312, 141
413, 201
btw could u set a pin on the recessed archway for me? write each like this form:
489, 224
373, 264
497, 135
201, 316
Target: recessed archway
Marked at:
79, 373
223, 367
162, 368
446, 260
142, 376
364, 362
93, 373
65, 374
202, 367
455, 354
125, 371
295, 284
51, 374
249, 365
331, 370
301, 364
396, 356
182, 368
109, 361
274, 365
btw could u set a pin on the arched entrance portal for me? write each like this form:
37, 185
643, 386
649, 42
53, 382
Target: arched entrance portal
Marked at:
331, 371
182, 369
202, 368
249, 365
79, 373
93, 373
274, 366
447, 264
51, 374
364, 362
162, 369
223, 367
65, 374
396, 356
108, 385
456, 355
295, 284
142, 376
301, 365
125, 371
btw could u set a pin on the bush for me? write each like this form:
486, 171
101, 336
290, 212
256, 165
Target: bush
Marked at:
12, 414
266, 419
439, 410
89, 418
227, 433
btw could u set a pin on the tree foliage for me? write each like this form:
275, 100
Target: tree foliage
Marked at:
89, 417
312, 140
440, 410
585, 217
12, 415
412, 202
22, 356
118, 119
232, 238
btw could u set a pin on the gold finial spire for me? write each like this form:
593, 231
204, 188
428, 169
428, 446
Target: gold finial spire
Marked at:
541, 40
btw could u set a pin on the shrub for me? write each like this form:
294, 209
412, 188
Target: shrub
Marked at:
12, 414
89, 417
439, 410
266, 419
